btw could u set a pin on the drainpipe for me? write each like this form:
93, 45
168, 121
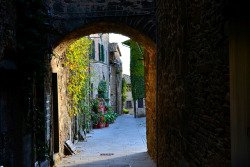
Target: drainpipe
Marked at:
116, 101
116, 94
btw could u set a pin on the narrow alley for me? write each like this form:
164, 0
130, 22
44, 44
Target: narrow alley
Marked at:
122, 144
62, 75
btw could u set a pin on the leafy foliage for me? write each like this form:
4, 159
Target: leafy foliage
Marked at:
125, 111
108, 118
77, 61
136, 70
97, 117
96, 105
124, 90
102, 89
108, 108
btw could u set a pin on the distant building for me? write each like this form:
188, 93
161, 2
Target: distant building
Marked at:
115, 78
99, 63
128, 105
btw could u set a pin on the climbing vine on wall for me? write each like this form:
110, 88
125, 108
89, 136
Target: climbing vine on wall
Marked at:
124, 90
136, 69
77, 61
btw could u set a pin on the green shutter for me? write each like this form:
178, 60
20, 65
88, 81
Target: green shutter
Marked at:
99, 48
102, 53
93, 50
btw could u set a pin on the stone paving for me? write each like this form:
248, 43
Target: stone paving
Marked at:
122, 144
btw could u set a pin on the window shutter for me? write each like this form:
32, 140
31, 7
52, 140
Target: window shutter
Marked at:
93, 50
99, 48
102, 53
140, 103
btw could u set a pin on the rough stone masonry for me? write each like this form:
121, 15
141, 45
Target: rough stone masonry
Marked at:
193, 69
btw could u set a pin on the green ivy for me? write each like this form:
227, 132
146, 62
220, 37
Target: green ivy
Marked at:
102, 89
124, 90
136, 70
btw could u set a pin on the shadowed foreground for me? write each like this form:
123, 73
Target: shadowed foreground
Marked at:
122, 144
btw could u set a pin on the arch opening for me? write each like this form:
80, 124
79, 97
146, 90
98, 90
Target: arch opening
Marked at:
105, 27
60, 45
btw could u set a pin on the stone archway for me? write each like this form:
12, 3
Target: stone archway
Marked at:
105, 27
59, 46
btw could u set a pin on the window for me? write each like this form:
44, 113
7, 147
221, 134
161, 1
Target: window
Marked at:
92, 50
140, 103
128, 87
91, 91
128, 104
101, 52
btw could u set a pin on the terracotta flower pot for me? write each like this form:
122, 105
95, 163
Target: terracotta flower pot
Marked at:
95, 127
100, 125
107, 125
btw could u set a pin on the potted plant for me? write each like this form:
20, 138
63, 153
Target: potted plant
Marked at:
104, 121
125, 111
108, 108
118, 71
113, 116
108, 119
95, 120
101, 117
95, 105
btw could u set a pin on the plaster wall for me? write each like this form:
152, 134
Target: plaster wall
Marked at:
129, 98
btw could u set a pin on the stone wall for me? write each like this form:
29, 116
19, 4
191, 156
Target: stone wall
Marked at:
150, 100
140, 112
99, 72
16, 138
116, 88
68, 15
113, 88
72, 18
193, 109
129, 98
7, 31
63, 106
115, 78
15, 127
240, 91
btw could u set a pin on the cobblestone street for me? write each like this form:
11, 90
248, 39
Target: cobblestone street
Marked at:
122, 144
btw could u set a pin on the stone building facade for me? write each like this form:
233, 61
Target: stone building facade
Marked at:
115, 78
129, 103
139, 107
99, 63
